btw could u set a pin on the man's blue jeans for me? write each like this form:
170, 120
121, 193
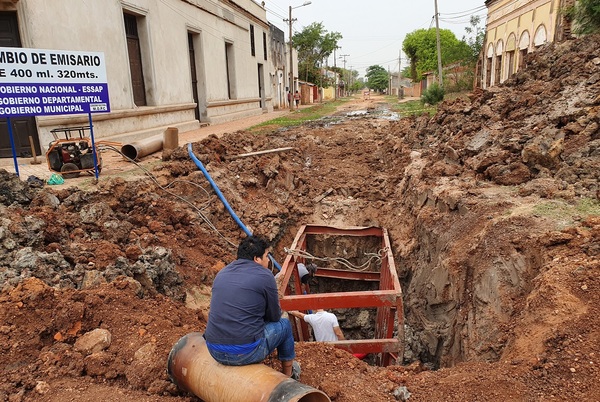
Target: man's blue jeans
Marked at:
277, 335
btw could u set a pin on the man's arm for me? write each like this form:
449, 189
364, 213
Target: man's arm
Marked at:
297, 314
339, 333
273, 309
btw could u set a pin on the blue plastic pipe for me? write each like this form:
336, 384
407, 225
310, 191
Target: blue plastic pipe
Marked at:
223, 200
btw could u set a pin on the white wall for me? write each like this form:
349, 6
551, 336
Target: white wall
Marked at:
97, 25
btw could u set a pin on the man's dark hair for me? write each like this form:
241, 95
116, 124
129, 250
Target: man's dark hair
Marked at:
252, 246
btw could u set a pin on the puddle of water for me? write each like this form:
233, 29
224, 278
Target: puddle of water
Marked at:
379, 113
355, 113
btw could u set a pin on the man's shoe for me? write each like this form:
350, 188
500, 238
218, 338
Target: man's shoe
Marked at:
296, 370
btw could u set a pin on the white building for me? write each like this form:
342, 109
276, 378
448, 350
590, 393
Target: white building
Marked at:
170, 63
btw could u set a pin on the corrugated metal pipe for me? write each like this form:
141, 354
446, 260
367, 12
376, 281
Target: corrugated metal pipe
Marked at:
192, 368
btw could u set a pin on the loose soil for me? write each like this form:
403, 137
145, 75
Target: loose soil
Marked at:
491, 205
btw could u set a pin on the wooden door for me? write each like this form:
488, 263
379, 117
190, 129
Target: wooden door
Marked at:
22, 127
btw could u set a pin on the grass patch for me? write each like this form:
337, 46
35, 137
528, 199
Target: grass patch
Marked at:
566, 214
297, 118
409, 108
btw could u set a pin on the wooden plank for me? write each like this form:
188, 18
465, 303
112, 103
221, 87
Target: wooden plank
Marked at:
266, 151
325, 194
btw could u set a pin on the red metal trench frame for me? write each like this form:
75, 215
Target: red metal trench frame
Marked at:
387, 300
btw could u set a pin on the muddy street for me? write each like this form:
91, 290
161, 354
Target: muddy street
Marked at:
492, 208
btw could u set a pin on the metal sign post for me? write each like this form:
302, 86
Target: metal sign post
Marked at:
96, 170
12, 145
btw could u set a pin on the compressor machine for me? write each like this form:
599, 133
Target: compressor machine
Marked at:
70, 156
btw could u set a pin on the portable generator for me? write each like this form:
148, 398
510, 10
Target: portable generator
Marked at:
71, 156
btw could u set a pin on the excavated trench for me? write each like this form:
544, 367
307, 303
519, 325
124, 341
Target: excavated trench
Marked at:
462, 284
349, 254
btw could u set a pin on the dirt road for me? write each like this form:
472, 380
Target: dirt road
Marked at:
491, 206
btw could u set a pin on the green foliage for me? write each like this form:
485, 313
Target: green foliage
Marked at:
377, 78
474, 38
421, 48
357, 84
410, 108
314, 44
565, 214
586, 15
297, 118
433, 95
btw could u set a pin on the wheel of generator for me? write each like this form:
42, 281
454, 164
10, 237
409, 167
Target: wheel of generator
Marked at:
68, 170
54, 161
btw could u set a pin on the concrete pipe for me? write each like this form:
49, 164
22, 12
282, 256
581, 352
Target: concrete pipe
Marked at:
139, 149
193, 369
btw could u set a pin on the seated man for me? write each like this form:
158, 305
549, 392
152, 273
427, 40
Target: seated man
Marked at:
244, 322
324, 324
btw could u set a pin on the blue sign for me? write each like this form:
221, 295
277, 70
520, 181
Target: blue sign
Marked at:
38, 82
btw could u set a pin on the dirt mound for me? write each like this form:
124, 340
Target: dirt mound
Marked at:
491, 205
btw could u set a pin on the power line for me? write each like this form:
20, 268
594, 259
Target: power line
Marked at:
467, 12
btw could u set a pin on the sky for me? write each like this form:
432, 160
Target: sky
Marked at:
373, 31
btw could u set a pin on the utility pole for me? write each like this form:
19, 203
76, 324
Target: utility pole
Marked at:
349, 77
321, 72
290, 21
439, 50
336, 74
291, 93
344, 56
400, 89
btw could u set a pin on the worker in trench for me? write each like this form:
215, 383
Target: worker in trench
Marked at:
325, 327
305, 272
245, 321
324, 324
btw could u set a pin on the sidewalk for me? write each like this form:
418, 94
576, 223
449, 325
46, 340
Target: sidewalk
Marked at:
114, 164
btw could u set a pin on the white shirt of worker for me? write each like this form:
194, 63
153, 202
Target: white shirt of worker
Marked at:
322, 323
301, 271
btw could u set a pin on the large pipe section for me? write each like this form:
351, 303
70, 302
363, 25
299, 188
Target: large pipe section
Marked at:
139, 149
191, 367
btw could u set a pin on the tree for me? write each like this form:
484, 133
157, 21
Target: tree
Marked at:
474, 40
357, 85
460, 75
421, 48
586, 15
377, 78
314, 44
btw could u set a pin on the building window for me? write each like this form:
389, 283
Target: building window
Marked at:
135, 59
230, 70
510, 63
265, 44
252, 47
522, 54
498, 70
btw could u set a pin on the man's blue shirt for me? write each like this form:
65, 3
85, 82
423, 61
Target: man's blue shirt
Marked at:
244, 298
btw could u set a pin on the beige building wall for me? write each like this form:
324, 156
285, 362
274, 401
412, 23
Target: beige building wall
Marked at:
515, 28
163, 29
